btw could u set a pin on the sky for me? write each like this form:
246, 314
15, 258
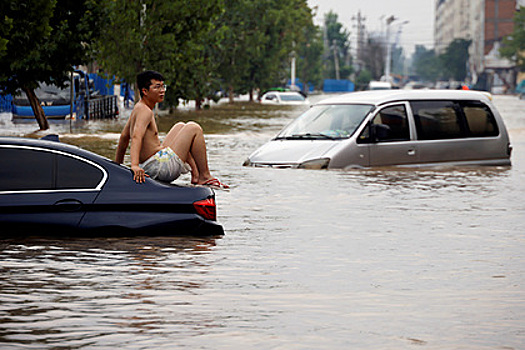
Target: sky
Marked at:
419, 13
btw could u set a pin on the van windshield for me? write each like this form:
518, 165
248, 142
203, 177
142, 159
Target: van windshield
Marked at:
326, 122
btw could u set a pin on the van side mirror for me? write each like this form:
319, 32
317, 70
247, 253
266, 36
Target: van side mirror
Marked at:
379, 132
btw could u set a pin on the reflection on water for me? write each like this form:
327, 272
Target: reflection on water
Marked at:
360, 259
79, 292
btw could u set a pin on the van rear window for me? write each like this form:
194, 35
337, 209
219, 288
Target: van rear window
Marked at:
449, 120
480, 121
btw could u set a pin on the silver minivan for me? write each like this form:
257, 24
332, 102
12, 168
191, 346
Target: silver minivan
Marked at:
391, 128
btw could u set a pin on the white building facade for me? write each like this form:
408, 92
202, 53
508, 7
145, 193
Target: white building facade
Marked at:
485, 23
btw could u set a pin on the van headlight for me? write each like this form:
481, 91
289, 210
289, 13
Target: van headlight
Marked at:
320, 163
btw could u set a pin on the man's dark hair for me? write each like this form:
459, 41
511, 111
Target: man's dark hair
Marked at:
144, 79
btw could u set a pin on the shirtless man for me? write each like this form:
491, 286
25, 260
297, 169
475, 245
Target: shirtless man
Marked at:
182, 150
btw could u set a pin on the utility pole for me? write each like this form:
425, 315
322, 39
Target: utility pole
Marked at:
359, 40
336, 60
389, 21
292, 69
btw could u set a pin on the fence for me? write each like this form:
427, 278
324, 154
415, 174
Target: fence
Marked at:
102, 107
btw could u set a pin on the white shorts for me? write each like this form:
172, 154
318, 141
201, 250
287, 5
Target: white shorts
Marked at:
165, 165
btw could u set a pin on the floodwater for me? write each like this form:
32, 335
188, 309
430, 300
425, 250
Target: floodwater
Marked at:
359, 259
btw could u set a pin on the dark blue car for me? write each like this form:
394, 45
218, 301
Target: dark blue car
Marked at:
51, 188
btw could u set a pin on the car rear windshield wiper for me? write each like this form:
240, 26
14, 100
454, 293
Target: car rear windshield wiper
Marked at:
306, 136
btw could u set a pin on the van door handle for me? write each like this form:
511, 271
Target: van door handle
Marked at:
411, 152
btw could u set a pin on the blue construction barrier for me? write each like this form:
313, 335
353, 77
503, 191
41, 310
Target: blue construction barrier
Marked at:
102, 85
333, 85
6, 103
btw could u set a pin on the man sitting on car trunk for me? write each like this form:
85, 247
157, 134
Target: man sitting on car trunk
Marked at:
183, 148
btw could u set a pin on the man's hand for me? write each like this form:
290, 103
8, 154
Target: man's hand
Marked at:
139, 175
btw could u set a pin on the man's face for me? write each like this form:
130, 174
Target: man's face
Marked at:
156, 90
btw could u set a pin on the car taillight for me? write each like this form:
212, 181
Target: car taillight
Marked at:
206, 208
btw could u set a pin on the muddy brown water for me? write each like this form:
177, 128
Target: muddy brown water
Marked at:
360, 259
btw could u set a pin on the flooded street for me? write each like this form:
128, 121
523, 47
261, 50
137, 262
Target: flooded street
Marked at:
359, 259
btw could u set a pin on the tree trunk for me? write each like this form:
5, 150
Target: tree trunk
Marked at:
230, 94
37, 108
198, 103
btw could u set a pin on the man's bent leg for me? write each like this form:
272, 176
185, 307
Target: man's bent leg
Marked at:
170, 137
189, 142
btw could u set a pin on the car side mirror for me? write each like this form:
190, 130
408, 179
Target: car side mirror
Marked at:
379, 132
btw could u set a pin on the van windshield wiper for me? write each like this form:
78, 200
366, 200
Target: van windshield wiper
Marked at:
306, 136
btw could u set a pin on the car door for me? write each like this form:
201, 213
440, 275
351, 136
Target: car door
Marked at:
43, 188
388, 137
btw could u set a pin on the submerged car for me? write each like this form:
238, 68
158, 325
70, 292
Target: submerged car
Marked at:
51, 188
283, 98
395, 127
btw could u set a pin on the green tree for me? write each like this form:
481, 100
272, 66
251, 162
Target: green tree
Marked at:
170, 36
398, 61
374, 57
454, 60
363, 78
231, 53
514, 45
337, 58
4, 32
426, 64
309, 54
258, 40
43, 40
283, 27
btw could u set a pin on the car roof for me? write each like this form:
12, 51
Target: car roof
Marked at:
53, 145
283, 92
386, 96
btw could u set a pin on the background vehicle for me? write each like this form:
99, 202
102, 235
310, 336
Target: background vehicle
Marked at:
379, 85
284, 98
396, 127
48, 187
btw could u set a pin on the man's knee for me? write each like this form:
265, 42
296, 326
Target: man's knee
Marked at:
194, 126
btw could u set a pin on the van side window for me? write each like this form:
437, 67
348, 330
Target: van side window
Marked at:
390, 124
437, 120
480, 121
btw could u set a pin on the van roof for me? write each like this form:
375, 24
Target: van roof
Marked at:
379, 97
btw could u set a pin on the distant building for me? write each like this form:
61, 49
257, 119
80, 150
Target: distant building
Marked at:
485, 23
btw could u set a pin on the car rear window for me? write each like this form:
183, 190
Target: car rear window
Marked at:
23, 169
74, 173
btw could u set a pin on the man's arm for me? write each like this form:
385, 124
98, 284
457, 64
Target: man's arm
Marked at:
123, 143
142, 121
